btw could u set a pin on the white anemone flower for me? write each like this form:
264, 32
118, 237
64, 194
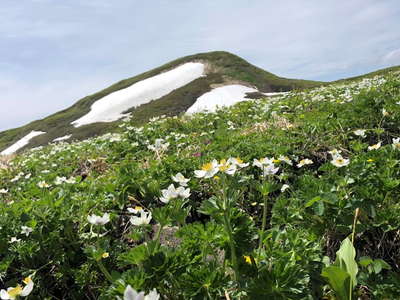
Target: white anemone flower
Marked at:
135, 210
335, 153
263, 162
168, 194
360, 132
14, 240
182, 192
270, 170
396, 143
284, 187
3, 191
375, 147
227, 168
339, 161
285, 159
171, 193
304, 162
207, 170
144, 219
26, 230
97, 220
43, 184
18, 291
179, 178
237, 161
131, 294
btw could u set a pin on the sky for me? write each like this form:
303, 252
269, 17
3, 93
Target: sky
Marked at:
54, 52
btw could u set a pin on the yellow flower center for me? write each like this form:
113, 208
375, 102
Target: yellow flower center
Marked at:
247, 259
370, 160
27, 280
207, 167
276, 161
105, 255
239, 160
15, 291
138, 208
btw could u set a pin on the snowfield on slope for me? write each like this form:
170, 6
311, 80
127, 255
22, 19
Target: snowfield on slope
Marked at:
111, 107
21, 143
62, 138
222, 96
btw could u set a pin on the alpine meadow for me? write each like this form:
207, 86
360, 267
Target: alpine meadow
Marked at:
287, 189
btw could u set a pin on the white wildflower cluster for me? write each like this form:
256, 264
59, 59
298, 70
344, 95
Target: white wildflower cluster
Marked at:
228, 166
337, 159
18, 291
131, 294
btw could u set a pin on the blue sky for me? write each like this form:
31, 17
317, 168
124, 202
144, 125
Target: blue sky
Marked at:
54, 52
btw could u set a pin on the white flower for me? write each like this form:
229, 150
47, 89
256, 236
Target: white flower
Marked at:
42, 184
263, 162
284, 187
168, 194
182, 192
270, 170
13, 293
26, 230
207, 170
374, 147
144, 219
171, 193
3, 191
14, 240
27, 176
335, 153
226, 167
339, 161
131, 294
60, 180
384, 112
359, 132
134, 210
179, 178
304, 162
158, 146
396, 143
97, 220
237, 161
285, 159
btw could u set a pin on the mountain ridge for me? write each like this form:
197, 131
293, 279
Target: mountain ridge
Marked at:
221, 68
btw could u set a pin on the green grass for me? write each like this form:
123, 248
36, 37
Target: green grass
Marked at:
238, 234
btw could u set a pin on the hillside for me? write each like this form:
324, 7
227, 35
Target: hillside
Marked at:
290, 197
221, 68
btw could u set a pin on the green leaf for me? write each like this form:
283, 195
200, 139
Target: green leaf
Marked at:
345, 258
312, 201
339, 281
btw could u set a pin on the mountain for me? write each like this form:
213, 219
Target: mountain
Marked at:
189, 84
214, 69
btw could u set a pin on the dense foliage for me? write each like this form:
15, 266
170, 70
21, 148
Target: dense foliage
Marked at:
291, 197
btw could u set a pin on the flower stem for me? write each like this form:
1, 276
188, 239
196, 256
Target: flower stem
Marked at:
264, 222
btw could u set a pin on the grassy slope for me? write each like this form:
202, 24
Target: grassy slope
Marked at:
304, 224
224, 66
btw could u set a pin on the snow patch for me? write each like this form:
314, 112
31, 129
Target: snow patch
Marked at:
111, 107
62, 138
21, 143
222, 96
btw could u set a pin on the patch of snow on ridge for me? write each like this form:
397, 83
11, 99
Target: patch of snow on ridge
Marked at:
62, 138
21, 143
111, 107
222, 96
